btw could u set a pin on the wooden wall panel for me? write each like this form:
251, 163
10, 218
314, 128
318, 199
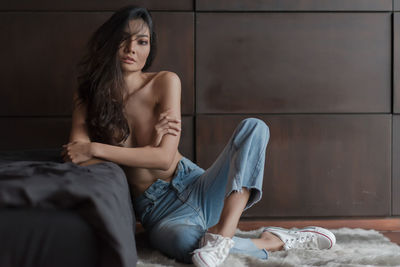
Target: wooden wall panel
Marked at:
42, 49
322, 61
396, 5
293, 62
396, 166
34, 133
186, 144
294, 5
43, 133
175, 51
396, 62
65, 5
38, 68
316, 165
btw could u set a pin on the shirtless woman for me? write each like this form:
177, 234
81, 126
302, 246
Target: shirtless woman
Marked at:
132, 118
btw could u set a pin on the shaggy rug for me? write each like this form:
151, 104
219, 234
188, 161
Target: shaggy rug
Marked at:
354, 247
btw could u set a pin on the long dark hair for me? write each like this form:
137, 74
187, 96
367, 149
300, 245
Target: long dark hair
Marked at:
100, 78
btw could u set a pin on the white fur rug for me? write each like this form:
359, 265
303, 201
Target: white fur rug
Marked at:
354, 247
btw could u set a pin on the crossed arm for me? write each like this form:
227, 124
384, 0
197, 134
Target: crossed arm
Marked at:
82, 151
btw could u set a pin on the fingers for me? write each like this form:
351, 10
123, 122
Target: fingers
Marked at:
167, 124
74, 152
173, 122
169, 118
70, 143
165, 114
173, 125
63, 154
168, 121
66, 154
169, 131
66, 158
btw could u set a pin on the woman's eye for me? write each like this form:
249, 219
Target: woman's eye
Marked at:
142, 42
123, 42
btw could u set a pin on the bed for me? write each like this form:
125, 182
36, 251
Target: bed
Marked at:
62, 214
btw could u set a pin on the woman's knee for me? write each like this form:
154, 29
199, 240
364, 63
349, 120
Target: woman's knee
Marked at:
254, 128
257, 125
176, 241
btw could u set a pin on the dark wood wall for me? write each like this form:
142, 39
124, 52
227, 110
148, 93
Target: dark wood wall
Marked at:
324, 75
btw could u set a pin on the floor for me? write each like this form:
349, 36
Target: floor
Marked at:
389, 227
394, 236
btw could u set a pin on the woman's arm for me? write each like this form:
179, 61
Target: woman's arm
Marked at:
168, 87
144, 157
79, 131
168, 92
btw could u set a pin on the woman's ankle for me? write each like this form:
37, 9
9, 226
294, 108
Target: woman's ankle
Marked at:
217, 230
273, 241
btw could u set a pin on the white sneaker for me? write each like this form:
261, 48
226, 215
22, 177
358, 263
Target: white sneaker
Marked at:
307, 238
213, 251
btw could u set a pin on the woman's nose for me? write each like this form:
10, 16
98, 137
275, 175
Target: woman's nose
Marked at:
130, 47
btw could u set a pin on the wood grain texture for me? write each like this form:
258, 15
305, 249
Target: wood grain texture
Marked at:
316, 165
38, 70
396, 166
396, 5
396, 63
64, 5
295, 5
293, 62
394, 236
39, 67
175, 51
186, 144
34, 133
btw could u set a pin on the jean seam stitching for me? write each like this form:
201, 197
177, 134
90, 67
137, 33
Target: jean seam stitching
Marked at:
259, 160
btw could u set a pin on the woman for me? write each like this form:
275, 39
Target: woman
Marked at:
132, 117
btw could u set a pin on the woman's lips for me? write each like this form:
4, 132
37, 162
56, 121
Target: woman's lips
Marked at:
128, 60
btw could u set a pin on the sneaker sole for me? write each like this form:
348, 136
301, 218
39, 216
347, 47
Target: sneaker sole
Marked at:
199, 261
312, 229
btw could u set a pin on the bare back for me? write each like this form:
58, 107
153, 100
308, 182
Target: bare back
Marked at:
142, 112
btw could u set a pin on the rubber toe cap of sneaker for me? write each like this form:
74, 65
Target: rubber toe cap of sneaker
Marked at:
326, 239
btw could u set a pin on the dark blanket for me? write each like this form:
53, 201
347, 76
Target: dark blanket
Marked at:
99, 193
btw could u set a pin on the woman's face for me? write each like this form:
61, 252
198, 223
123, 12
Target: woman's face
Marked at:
133, 52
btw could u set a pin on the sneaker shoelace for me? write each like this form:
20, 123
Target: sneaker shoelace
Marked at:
304, 240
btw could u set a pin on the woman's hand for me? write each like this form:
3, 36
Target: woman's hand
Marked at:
166, 125
77, 152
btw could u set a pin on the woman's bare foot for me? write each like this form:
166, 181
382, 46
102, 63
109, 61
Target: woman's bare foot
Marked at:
269, 242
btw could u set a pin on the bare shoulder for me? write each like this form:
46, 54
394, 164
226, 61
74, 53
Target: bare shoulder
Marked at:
166, 77
167, 83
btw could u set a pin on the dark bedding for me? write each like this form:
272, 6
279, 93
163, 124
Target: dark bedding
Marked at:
32, 237
99, 193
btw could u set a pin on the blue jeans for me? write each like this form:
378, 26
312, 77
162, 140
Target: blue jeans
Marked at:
177, 214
